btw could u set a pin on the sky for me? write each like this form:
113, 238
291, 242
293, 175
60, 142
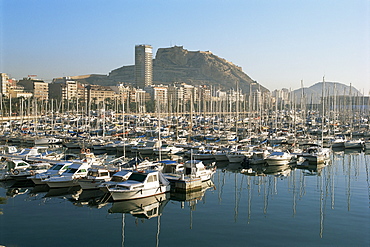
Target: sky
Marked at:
278, 43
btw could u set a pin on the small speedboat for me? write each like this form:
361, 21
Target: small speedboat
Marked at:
70, 177
278, 158
140, 184
95, 177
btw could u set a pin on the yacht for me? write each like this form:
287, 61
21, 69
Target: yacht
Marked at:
338, 142
31, 170
118, 177
316, 154
167, 149
196, 169
278, 158
238, 156
12, 168
258, 157
70, 177
140, 184
94, 177
354, 143
55, 170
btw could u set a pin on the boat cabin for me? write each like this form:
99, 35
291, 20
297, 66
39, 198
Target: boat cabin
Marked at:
171, 166
17, 165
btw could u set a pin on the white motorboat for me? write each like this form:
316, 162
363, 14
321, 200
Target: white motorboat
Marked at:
149, 147
196, 169
94, 177
354, 143
316, 154
238, 156
47, 140
11, 168
202, 154
220, 155
57, 169
367, 144
171, 167
32, 169
140, 184
167, 149
33, 154
258, 157
25, 153
278, 158
70, 177
118, 177
338, 142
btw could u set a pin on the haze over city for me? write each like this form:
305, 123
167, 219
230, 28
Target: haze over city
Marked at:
277, 43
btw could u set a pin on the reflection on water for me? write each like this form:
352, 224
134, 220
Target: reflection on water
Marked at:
281, 200
147, 208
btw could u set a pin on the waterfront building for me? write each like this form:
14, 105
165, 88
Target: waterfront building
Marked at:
143, 65
282, 97
138, 95
6, 84
37, 87
4, 80
175, 93
67, 89
158, 93
189, 92
122, 92
97, 93
18, 91
221, 95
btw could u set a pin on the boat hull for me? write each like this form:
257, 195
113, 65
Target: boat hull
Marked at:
62, 184
236, 158
277, 162
122, 194
353, 144
88, 184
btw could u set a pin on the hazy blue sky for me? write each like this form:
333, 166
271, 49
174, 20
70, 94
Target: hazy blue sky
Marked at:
277, 42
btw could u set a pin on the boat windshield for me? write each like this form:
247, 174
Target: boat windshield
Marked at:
57, 167
117, 179
137, 177
71, 170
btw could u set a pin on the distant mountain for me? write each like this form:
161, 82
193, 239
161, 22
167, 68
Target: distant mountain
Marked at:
314, 93
176, 64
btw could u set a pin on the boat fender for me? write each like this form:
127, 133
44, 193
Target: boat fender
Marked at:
15, 172
32, 173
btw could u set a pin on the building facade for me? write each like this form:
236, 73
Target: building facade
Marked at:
39, 88
143, 65
97, 94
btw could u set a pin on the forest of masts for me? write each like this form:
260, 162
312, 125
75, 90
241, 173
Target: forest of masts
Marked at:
257, 105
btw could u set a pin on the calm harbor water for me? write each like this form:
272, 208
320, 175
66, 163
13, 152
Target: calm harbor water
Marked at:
283, 206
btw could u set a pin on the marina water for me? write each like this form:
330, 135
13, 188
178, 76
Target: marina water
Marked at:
316, 206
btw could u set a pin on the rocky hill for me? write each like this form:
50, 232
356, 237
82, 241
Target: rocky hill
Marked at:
176, 64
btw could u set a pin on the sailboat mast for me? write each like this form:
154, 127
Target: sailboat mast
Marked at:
323, 111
